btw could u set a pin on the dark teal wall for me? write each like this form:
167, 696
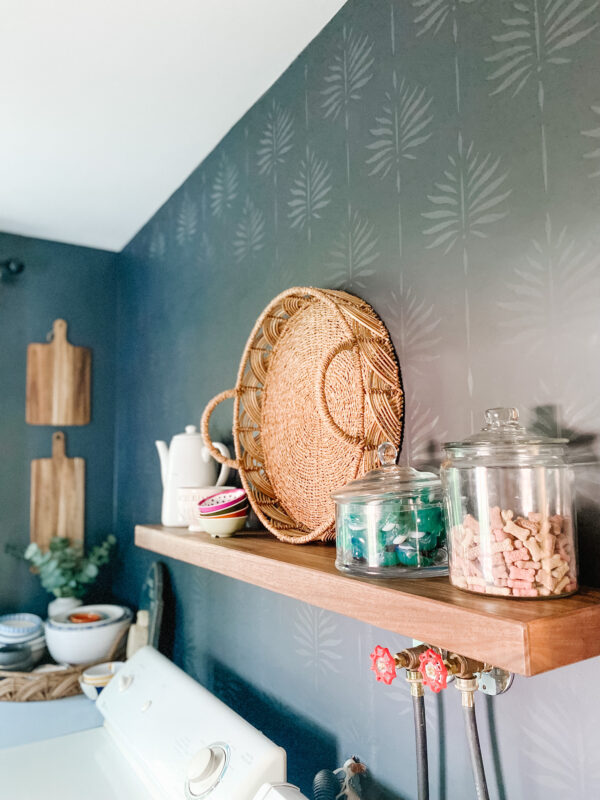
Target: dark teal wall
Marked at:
78, 284
452, 181
428, 157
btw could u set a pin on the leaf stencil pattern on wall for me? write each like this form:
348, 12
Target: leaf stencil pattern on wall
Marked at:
414, 325
348, 74
422, 434
317, 641
158, 244
468, 199
206, 251
402, 126
250, 232
461, 206
539, 35
552, 290
565, 766
187, 221
353, 253
276, 140
274, 145
225, 187
594, 155
433, 14
310, 192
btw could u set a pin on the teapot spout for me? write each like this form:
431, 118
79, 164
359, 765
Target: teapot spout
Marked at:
163, 454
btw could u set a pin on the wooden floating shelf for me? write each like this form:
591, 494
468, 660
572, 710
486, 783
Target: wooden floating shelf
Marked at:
523, 636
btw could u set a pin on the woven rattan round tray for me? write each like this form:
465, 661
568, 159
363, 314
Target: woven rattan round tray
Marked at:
318, 390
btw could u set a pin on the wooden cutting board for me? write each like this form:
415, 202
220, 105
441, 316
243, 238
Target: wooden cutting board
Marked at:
58, 381
57, 495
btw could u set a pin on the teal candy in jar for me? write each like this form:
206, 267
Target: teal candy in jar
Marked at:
390, 522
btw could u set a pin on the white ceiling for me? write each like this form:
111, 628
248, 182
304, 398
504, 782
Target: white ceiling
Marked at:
106, 107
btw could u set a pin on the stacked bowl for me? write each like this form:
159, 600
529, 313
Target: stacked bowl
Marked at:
22, 641
224, 513
94, 679
86, 634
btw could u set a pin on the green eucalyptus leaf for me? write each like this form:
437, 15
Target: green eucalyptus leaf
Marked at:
31, 551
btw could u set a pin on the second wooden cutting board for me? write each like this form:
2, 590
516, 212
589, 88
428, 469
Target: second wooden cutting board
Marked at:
57, 495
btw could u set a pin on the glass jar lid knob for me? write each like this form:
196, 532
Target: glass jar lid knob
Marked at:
388, 453
501, 417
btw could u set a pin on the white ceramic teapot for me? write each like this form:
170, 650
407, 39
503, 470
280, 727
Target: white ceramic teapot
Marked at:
187, 462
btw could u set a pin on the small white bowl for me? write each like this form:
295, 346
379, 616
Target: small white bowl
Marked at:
108, 613
94, 679
83, 644
221, 527
101, 674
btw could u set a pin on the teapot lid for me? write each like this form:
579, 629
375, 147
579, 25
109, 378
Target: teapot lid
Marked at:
387, 479
190, 430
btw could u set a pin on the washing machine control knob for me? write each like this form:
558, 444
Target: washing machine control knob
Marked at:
205, 770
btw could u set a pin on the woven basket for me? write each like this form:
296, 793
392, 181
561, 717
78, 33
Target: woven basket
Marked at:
318, 390
23, 686
20, 687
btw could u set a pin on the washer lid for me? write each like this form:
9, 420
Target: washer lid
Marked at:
161, 719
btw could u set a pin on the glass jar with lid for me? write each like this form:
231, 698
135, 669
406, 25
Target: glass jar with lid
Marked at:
509, 511
390, 522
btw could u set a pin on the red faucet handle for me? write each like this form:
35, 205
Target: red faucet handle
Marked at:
383, 664
433, 670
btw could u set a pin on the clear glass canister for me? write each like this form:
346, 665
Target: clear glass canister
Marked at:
509, 508
391, 522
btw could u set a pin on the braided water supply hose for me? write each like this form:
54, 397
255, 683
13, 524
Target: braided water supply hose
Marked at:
467, 687
384, 664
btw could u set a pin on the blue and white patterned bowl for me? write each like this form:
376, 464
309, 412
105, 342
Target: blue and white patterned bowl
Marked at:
83, 644
19, 627
109, 614
25, 639
15, 657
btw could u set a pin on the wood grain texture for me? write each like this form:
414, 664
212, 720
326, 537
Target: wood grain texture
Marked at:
57, 495
58, 381
523, 636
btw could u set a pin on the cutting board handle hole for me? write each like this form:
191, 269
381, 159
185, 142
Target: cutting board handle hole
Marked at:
59, 328
58, 444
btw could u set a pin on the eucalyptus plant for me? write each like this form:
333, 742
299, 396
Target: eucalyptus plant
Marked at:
64, 569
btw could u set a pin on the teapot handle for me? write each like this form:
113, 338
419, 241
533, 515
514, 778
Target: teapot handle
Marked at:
224, 473
216, 454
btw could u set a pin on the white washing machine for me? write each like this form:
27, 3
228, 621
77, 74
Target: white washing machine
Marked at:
164, 737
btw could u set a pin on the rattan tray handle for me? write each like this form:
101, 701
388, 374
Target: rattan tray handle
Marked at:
321, 398
204, 427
